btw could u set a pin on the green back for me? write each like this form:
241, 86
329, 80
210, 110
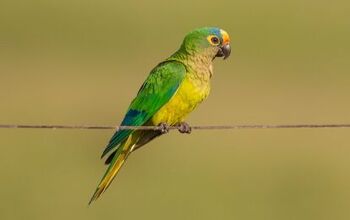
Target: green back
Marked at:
156, 91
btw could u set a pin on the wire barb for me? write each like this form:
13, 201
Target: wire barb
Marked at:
205, 127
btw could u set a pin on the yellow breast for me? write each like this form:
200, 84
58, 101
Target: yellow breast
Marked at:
190, 93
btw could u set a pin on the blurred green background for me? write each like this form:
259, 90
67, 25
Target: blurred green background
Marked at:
81, 62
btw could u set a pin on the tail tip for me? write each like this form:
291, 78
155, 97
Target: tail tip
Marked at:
95, 196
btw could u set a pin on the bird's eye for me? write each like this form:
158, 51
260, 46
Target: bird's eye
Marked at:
214, 40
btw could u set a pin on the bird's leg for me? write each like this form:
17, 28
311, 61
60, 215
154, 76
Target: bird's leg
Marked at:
184, 128
164, 128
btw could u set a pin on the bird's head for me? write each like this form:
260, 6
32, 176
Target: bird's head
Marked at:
211, 41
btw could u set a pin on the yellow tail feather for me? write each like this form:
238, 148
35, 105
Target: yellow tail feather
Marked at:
117, 162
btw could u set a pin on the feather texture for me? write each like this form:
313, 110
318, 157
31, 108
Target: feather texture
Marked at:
157, 90
171, 91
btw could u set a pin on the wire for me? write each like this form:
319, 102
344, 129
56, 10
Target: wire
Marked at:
205, 127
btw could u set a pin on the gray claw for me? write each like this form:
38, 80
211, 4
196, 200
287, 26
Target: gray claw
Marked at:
164, 128
184, 128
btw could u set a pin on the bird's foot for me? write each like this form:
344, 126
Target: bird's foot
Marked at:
164, 128
184, 128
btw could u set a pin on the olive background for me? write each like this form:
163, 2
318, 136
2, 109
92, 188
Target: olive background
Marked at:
81, 63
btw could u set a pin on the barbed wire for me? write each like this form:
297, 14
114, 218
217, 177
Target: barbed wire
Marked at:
196, 127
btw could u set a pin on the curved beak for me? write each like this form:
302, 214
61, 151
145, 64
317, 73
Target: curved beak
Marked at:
224, 51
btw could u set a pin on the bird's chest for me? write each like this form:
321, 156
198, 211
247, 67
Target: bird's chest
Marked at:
192, 91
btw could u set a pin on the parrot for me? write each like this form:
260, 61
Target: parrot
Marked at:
173, 89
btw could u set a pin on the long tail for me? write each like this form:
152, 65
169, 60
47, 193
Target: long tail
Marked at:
118, 160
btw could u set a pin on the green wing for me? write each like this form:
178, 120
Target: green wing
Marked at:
159, 87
